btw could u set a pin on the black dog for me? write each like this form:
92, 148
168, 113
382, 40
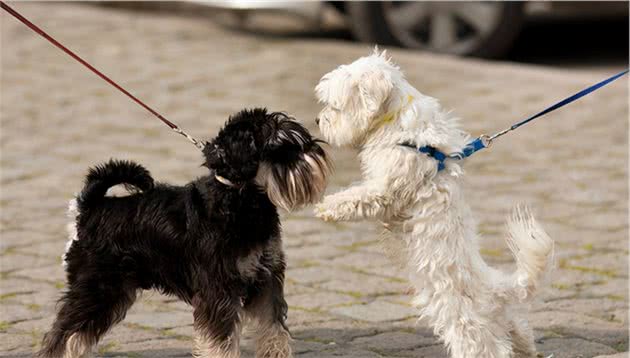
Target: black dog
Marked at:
214, 243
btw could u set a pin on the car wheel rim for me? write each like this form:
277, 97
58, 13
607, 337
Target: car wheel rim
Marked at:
451, 27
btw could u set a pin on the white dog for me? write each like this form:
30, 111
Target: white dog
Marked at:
370, 106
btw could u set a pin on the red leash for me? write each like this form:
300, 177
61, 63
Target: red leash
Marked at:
41, 32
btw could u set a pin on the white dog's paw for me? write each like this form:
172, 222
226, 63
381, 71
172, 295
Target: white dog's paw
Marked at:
325, 213
336, 207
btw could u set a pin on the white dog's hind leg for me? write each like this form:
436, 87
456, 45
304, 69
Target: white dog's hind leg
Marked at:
472, 336
533, 250
522, 339
468, 329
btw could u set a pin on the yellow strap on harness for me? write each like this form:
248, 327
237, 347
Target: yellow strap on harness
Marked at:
390, 116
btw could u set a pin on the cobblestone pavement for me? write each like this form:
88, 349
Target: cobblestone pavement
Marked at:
345, 297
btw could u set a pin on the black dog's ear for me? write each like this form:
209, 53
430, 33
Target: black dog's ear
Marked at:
213, 155
287, 133
294, 168
233, 154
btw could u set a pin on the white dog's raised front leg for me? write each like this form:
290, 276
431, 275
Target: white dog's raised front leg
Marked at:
355, 203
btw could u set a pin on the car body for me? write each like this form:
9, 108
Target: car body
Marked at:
485, 29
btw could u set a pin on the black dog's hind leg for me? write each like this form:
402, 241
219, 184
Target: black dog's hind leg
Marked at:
217, 324
88, 309
267, 308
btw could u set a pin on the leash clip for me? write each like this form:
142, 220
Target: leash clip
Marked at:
486, 140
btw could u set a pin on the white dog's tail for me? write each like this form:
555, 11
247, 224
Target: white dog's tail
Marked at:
533, 250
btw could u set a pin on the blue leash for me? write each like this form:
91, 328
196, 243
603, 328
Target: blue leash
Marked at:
485, 141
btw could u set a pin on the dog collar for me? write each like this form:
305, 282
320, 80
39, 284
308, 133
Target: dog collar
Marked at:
225, 181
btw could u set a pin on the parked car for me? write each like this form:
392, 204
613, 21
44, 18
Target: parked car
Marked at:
472, 28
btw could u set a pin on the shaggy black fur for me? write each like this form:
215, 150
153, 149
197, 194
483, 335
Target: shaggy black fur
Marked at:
198, 242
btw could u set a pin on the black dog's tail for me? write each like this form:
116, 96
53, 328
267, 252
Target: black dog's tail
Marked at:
114, 172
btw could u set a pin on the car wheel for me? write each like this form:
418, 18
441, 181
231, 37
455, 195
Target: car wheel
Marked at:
485, 29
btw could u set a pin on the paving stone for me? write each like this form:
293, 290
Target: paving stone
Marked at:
126, 332
33, 326
48, 273
293, 288
158, 348
543, 319
159, 320
74, 121
362, 259
434, 351
390, 342
312, 301
10, 287
313, 274
376, 311
618, 355
13, 313
615, 338
310, 253
184, 332
615, 289
572, 348
334, 332
376, 286
601, 307
12, 341
14, 262
52, 249
333, 352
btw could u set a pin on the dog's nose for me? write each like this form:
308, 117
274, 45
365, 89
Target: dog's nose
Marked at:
317, 120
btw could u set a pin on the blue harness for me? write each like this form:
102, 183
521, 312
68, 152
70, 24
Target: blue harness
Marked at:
485, 141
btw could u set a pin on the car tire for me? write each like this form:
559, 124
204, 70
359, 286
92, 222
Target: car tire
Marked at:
368, 23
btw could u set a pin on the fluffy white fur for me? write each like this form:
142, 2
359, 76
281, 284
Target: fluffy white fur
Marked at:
71, 227
370, 106
77, 346
207, 347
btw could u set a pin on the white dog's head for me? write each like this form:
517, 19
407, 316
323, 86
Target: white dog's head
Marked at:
353, 96
370, 100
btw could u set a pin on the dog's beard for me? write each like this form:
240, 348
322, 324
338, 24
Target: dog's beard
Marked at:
301, 183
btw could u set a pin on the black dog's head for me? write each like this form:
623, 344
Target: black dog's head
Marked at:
273, 151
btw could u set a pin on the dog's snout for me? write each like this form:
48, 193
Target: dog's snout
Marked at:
317, 120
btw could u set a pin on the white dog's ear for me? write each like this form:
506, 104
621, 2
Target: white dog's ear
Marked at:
374, 89
378, 53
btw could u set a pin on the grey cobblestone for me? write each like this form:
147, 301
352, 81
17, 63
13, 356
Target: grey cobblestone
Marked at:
618, 355
377, 311
346, 299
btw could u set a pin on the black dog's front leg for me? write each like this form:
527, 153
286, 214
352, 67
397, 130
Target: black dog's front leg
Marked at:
267, 308
217, 325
